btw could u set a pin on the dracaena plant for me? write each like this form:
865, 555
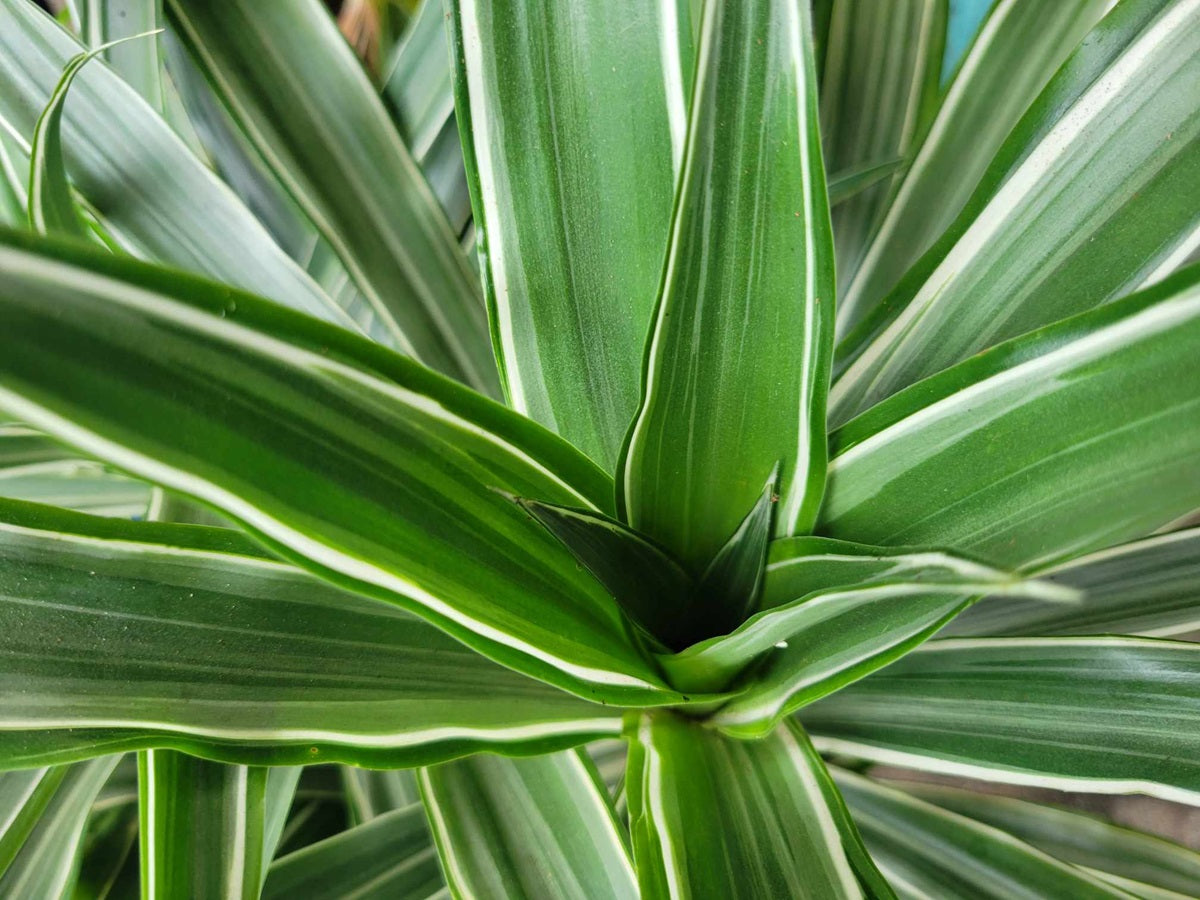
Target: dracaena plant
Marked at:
569, 462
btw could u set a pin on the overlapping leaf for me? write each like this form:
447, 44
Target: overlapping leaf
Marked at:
1087, 200
737, 364
1080, 436
352, 460
1109, 714
572, 121
324, 132
530, 828
183, 636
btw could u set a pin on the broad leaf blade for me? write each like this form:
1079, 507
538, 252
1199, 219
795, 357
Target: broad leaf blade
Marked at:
932, 852
1087, 200
715, 817
187, 637
1149, 587
1021, 455
832, 613
302, 98
527, 828
737, 365
882, 64
202, 827
159, 201
340, 454
1017, 50
572, 210
390, 856
1076, 837
1107, 714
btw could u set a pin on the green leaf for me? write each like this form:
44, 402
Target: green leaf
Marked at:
852, 181
373, 792
1087, 200
1080, 436
149, 190
832, 613
188, 637
526, 828
44, 867
929, 852
1149, 587
1018, 49
737, 364
139, 62
79, 484
352, 460
14, 179
1076, 837
52, 207
418, 85
325, 133
1106, 714
715, 817
572, 122
880, 77
108, 860
24, 796
645, 580
202, 827
390, 856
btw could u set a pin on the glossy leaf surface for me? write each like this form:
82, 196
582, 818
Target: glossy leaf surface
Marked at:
527, 828
572, 121
714, 817
325, 134
186, 637
1081, 436
737, 365
1087, 200
340, 454
1015, 53
1107, 714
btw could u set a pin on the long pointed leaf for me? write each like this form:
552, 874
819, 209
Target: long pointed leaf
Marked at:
1017, 50
737, 365
934, 853
1106, 714
151, 192
714, 817
350, 459
187, 637
1087, 200
138, 63
1149, 587
573, 209
202, 827
324, 132
1021, 455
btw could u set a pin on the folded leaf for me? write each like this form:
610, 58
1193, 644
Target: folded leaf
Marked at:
1077, 437
878, 86
737, 365
833, 613
572, 121
185, 637
533, 828
390, 856
324, 132
1087, 200
1106, 714
1017, 50
352, 460
44, 867
929, 852
720, 818
149, 190
202, 827
1149, 587
1076, 837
